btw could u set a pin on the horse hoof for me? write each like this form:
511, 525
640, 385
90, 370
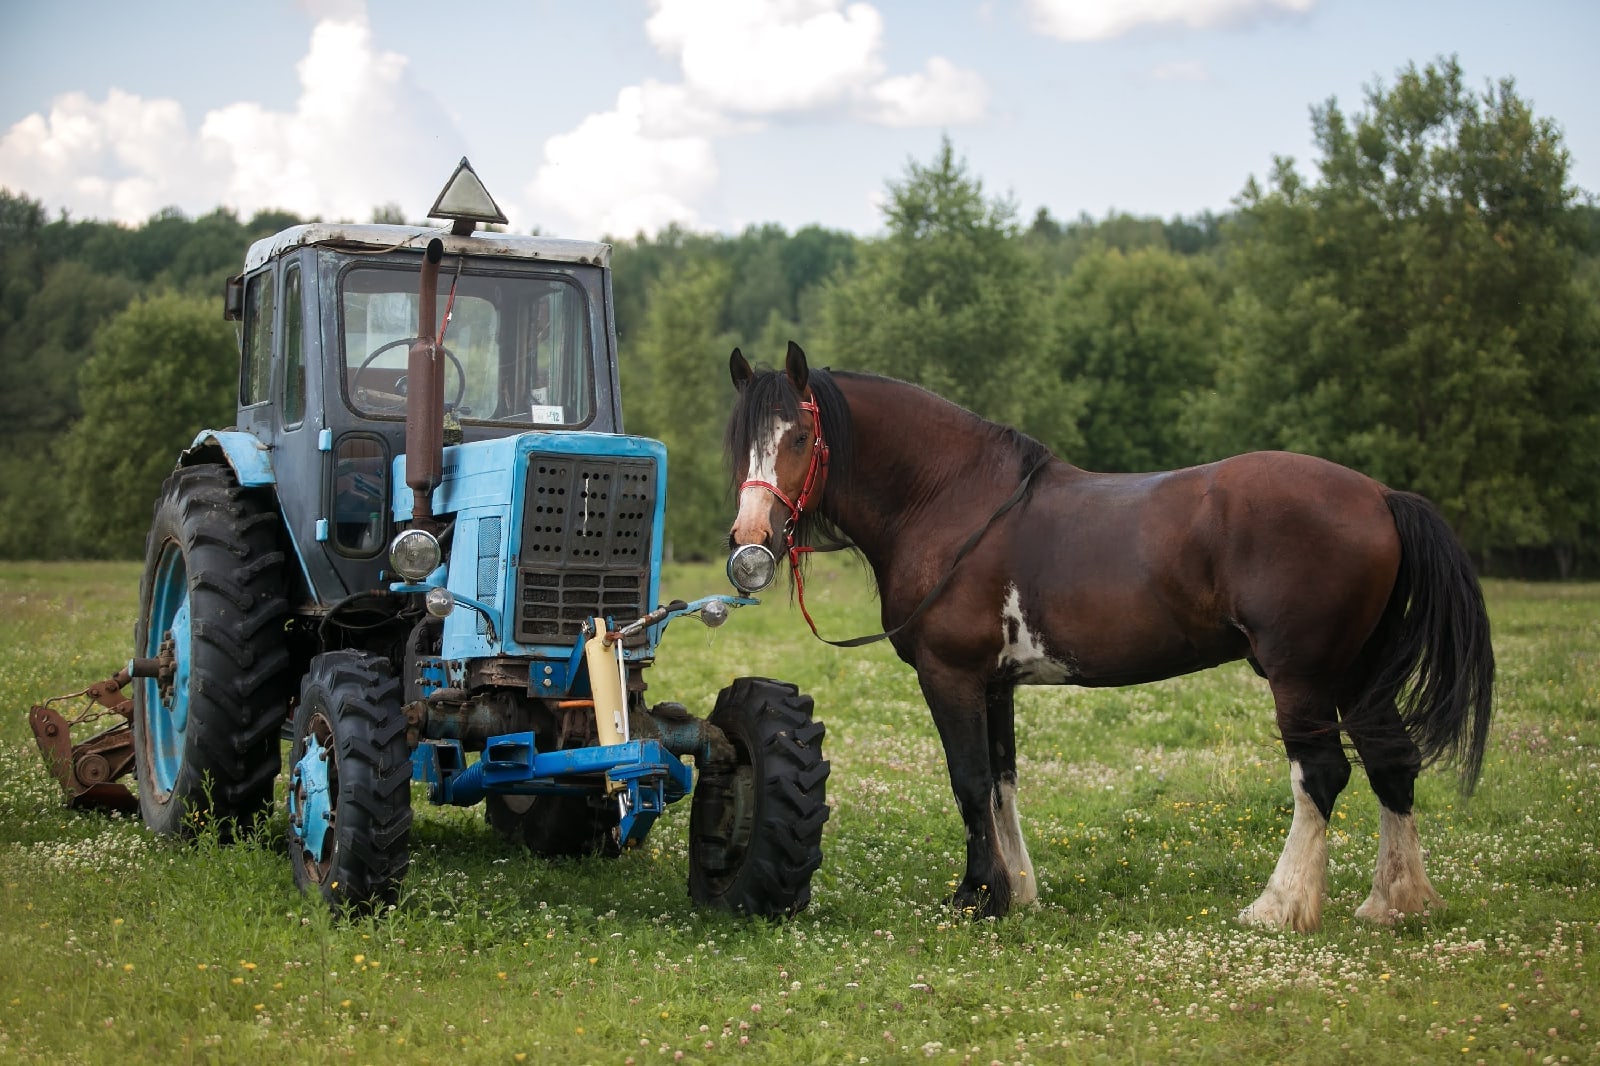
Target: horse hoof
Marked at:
1387, 911
974, 905
1277, 913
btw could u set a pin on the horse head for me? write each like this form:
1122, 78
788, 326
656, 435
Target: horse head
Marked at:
779, 455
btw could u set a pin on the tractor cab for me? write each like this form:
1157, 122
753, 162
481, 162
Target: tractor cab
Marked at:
328, 315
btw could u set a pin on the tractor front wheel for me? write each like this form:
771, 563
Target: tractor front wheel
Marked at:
755, 829
350, 783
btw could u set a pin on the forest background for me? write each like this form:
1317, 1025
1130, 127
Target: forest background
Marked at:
1425, 308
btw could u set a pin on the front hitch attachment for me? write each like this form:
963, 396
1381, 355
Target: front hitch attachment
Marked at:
88, 770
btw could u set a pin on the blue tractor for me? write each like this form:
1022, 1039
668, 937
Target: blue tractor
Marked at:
429, 557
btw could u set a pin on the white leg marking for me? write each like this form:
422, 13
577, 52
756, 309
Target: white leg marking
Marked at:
1013, 851
751, 525
1293, 896
1399, 884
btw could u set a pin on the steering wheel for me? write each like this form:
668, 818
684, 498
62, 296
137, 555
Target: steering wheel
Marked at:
388, 401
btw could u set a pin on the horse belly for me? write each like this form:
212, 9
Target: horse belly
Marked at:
1122, 647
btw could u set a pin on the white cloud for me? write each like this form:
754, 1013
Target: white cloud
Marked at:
1100, 20
360, 117
352, 139
646, 162
122, 157
768, 58
349, 144
609, 176
941, 95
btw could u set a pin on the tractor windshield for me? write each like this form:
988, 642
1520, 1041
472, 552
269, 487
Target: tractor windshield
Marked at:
517, 345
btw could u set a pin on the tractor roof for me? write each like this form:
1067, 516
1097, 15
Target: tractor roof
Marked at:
374, 238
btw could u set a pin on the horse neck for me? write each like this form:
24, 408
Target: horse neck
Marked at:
914, 457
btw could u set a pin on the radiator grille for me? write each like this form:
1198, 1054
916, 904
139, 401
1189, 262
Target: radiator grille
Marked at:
585, 544
488, 566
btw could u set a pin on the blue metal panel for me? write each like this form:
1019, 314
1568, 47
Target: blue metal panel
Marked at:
250, 458
479, 474
482, 483
651, 776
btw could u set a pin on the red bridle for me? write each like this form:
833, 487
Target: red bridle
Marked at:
810, 492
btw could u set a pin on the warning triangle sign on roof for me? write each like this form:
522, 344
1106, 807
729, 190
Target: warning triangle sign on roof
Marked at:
465, 201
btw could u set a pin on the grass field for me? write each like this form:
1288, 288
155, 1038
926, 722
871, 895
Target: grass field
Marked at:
1153, 815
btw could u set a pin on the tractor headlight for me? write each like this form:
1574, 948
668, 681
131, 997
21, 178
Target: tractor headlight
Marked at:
414, 554
751, 568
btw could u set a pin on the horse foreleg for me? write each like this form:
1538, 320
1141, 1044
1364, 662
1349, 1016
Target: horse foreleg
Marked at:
1318, 771
959, 707
999, 698
1399, 883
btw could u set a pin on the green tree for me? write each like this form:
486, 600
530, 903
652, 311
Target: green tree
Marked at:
43, 350
1138, 332
677, 383
161, 370
953, 300
1416, 313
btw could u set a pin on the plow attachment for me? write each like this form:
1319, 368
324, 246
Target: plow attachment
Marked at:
88, 770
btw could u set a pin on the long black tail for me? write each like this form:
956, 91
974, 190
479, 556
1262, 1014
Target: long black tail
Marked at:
1438, 663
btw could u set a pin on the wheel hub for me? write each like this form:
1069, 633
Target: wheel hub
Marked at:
311, 813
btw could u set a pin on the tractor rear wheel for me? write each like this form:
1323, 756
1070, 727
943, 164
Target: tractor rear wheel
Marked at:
555, 827
350, 783
755, 829
212, 607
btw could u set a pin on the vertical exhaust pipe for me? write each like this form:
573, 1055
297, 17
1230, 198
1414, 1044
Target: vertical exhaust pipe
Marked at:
425, 395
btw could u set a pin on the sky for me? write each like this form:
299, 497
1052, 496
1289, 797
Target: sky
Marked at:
619, 117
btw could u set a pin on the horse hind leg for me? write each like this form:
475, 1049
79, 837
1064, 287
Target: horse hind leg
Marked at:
1400, 885
999, 698
1318, 772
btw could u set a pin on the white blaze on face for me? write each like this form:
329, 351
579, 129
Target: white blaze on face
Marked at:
752, 526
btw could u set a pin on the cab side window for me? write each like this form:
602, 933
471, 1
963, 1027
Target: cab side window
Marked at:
256, 369
360, 494
294, 356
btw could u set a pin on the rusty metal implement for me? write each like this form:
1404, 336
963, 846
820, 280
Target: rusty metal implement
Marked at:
88, 770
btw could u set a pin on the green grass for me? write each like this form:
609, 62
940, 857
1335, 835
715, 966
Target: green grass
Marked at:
1153, 815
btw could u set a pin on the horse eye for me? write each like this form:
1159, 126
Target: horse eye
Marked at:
800, 439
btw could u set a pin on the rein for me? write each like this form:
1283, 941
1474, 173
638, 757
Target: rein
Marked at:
810, 489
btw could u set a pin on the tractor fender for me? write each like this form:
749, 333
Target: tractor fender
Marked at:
246, 453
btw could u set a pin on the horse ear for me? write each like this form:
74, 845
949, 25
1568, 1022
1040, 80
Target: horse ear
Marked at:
795, 365
739, 369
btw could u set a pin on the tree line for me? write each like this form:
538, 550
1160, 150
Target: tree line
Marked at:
1422, 307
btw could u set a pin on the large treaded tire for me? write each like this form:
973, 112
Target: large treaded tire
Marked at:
555, 827
350, 783
755, 829
206, 744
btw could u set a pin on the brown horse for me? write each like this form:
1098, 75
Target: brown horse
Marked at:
1355, 602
